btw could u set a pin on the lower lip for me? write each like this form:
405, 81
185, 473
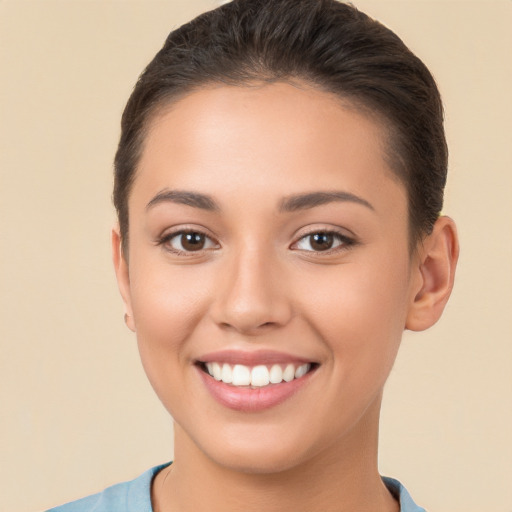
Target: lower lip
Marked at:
252, 400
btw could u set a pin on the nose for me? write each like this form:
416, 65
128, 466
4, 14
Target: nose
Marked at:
252, 295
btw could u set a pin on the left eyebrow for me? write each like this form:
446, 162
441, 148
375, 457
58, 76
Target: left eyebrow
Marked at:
313, 199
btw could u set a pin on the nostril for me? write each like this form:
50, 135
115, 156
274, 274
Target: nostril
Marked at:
247, 328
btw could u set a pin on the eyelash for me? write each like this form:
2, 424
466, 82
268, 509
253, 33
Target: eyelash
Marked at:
169, 236
345, 242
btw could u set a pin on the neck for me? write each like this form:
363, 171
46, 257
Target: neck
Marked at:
341, 478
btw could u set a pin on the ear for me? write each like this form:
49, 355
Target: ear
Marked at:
434, 266
122, 275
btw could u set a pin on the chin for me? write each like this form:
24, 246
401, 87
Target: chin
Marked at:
255, 451
258, 462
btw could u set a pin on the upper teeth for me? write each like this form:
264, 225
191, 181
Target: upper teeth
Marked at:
257, 376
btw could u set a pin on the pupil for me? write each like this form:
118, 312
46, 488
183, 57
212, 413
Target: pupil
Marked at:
192, 241
321, 241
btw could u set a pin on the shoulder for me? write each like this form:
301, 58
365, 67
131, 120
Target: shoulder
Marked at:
402, 496
132, 496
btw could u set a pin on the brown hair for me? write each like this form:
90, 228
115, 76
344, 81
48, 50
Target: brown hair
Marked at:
328, 44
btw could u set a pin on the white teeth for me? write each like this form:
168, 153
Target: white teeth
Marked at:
257, 376
241, 375
289, 373
226, 374
276, 374
301, 371
260, 376
215, 370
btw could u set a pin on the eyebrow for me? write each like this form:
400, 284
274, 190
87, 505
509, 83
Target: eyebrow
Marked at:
289, 204
313, 199
194, 199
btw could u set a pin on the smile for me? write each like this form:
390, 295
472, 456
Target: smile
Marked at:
254, 381
240, 375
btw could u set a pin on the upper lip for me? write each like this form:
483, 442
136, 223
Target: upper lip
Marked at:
252, 358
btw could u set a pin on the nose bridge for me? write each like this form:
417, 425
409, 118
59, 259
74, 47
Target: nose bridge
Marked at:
251, 294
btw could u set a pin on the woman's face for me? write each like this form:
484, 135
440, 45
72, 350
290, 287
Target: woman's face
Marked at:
267, 233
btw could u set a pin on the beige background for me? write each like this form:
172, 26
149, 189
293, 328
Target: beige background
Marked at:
76, 411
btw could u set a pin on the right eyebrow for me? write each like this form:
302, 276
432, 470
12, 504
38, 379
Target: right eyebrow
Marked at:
194, 199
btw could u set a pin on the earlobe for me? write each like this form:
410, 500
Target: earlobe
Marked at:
122, 275
435, 270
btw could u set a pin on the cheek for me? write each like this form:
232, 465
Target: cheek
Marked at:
167, 303
359, 311
167, 298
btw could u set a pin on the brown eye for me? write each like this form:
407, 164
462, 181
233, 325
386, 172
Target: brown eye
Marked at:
321, 241
188, 241
192, 241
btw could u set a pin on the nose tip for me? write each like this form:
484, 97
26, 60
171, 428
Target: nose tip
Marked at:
249, 319
252, 299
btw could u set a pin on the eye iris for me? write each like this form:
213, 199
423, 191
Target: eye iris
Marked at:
321, 241
192, 241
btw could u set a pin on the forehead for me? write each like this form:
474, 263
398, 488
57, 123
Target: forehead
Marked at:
265, 138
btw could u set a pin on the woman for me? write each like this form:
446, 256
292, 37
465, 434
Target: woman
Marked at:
278, 183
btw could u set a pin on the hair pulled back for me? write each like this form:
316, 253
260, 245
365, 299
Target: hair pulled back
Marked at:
325, 43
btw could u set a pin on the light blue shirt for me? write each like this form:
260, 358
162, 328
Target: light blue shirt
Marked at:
135, 496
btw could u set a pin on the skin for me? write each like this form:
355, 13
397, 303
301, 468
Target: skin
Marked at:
258, 284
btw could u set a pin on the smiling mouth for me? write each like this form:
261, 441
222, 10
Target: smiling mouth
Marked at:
258, 376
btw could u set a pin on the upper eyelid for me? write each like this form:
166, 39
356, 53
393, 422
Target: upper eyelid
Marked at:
172, 234
342, 233
341, 236
177, 230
